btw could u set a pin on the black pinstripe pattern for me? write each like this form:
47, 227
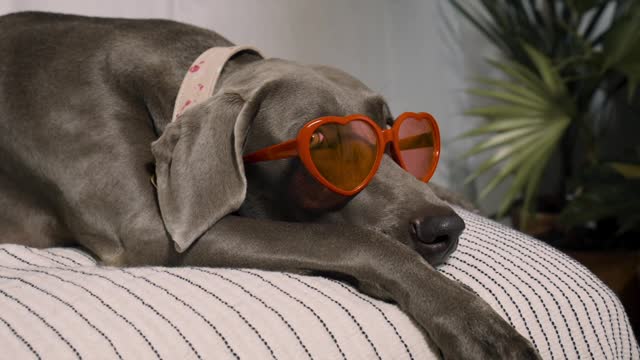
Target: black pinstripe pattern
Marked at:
612, 298
196, 312
83, 254
242, 317
386, 319
551, 294
504, 310
92, 325
578, 284
21, 338
45, 322
485, 257
39, 254
355, 321
135, 296
516, 254
127, 321
601, 289
495, 297
324, 325
61, 256
563, 259
276, 312
575, 272
541, 301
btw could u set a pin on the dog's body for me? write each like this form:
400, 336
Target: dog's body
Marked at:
82, 99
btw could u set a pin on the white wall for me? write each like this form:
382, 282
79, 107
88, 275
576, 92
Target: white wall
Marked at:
347, 34
401, 49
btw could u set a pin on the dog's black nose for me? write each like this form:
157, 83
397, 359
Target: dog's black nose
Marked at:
436, 237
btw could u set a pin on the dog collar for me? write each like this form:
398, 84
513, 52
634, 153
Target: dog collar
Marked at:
200, 80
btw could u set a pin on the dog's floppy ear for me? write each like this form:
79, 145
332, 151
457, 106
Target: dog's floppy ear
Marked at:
199, 169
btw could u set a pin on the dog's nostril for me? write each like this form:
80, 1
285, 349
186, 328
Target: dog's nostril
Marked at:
441, 238
435, 229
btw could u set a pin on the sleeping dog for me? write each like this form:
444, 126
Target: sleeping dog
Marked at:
85, 119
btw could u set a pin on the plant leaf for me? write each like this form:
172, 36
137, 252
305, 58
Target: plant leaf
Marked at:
533, 106
595, 20
503, 124
521, 74
479, 21
512, 87
550, 76
528, 176
502, 112
621, 46
501, 154
517, 160
522, 174
582, 6
629, 171
500, 139
508, 97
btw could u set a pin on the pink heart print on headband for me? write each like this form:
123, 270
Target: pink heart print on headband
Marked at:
200, 80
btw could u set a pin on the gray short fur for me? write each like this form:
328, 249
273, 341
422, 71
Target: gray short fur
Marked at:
82, 99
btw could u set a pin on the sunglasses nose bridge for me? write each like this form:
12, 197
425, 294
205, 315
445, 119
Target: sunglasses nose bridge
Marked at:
387, 137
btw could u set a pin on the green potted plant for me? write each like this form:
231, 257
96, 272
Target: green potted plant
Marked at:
568, 92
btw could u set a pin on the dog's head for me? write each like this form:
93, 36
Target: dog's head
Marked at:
201, 176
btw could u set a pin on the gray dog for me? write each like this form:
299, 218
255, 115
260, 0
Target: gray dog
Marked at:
82, 100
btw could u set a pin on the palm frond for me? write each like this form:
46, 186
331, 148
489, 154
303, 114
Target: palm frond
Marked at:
532, 112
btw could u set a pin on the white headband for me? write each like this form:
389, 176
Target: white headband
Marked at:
200, 80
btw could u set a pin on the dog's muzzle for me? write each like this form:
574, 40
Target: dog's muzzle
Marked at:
436, 237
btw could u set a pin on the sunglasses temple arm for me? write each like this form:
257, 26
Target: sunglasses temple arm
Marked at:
416, 141
283, 150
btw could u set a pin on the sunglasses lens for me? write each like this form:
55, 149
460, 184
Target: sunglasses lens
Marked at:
344, 154
416, 141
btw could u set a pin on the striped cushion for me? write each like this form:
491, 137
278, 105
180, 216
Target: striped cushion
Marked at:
57, 303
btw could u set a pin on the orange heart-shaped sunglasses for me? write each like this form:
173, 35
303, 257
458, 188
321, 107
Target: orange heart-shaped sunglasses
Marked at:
344, 152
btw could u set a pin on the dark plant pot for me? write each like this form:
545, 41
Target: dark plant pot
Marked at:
545, 223
541, 225
545, 226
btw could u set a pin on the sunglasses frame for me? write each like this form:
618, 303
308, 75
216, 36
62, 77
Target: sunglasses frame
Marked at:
300, 147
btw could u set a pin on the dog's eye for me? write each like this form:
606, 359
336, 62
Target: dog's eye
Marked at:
316, 139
